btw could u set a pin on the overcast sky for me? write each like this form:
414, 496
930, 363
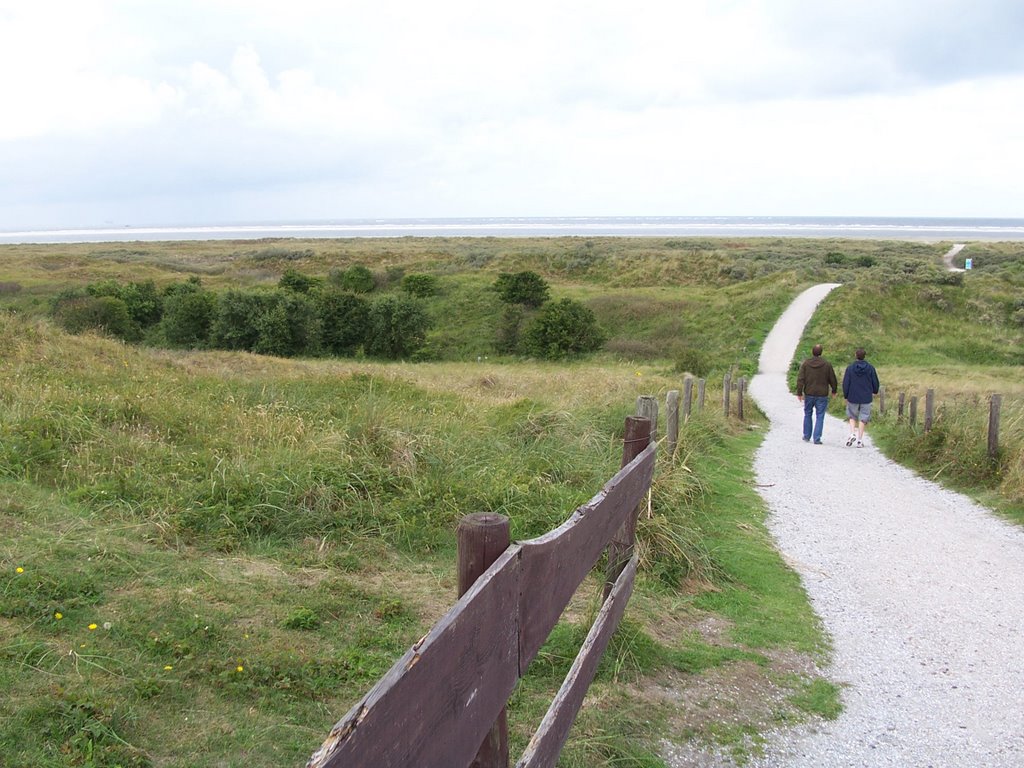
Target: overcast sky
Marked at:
224, 111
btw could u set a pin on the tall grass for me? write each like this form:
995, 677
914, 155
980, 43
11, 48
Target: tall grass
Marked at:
255, 540
214, 554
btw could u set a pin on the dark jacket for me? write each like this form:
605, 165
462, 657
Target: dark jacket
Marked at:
816, 378
860, 382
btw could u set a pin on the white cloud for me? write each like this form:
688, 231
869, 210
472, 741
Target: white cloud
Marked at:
319, 109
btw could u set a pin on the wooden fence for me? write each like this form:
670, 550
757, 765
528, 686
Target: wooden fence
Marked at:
442, 704
903, 412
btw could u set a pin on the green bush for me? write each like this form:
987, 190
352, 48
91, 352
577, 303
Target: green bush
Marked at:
398, 327
563, 328
106, 314
235, 323
527, 288
295, 281
287, 327
188, 316
142, 299
421, 286
509, 329
344, 321
357, 278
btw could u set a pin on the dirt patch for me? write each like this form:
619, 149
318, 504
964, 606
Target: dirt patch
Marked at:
719, 718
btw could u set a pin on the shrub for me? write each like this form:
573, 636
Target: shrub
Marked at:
287, 326
694, 361
295, 281
527, 288
398, 327
509, 329
234, 325
421, 286
563, 328
188, 316
142, 299
191, 285
344, 321
357, 278
105, 314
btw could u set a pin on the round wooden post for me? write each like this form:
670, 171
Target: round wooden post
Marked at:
647, 408
929, 409
672, 421
994, 404
901, 401
881, 401
740, 389
726, 387
913, 410
482, 538
687, 397
701, 386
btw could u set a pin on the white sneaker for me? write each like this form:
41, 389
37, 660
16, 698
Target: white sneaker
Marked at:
860, 444
850, 439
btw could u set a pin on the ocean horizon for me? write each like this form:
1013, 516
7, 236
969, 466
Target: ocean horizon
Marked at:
884, 228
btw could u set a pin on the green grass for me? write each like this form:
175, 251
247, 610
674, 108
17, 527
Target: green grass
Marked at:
257, 540
257, 535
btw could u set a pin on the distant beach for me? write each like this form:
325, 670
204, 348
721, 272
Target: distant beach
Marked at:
921, 229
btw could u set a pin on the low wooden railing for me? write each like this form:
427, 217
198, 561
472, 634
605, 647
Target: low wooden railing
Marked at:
441, 705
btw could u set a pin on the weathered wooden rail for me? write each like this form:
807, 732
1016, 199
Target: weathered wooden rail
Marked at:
441, 705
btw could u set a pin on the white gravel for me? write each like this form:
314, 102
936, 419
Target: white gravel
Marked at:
920, 589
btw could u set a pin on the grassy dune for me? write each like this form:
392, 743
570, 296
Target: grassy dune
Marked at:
208, 556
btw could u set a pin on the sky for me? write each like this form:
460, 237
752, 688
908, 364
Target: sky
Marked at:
228, 112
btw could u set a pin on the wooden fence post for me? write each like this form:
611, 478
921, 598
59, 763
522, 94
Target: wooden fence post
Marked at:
881, 401
901, 400
672, 421
740, 389
913, 410
726, 387
482, 538
687, 397
639, 434
995, 402
647, 408
929, 409
701, 386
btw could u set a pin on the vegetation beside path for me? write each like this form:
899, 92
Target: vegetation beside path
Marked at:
212, 554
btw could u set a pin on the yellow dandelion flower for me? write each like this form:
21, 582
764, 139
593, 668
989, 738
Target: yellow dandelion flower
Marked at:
92, 627
239, 668
58, 615
168, 667
19, 569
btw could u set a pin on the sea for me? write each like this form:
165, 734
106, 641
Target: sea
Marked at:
886, 228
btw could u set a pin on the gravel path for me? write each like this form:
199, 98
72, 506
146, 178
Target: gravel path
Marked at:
921, 590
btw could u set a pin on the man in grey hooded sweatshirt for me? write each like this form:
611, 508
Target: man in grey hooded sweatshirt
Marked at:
860, 383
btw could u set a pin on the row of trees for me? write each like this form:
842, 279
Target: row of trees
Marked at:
315, 319
306, 315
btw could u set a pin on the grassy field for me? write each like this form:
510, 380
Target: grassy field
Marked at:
209, 556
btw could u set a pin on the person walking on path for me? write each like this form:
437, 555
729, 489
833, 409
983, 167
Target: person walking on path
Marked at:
860, 384
813, 382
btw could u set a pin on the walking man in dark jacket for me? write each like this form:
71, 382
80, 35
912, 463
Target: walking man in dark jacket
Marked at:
860, 383
813, 382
